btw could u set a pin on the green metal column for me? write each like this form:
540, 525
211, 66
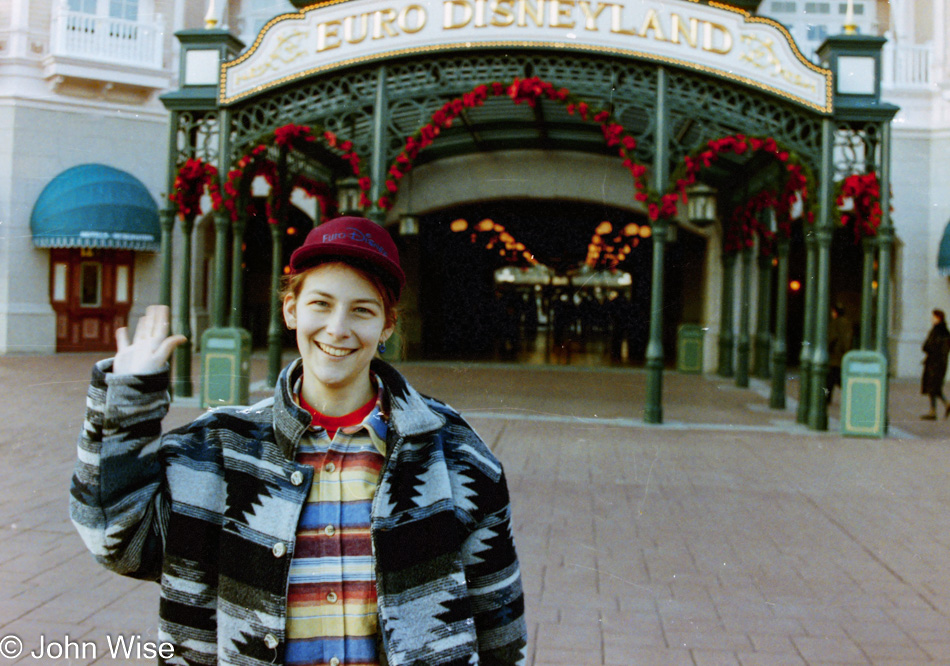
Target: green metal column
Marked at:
167, 218
181, 383
808, 327
763, 318
237, 271
868, 245
168, 213
222, 224
380, 153
779, 344
818, 409
743, 344
219, 315
886, 241
726, 315
275, 330
653, 411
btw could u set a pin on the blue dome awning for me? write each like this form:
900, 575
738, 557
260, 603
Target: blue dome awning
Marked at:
96, 206
943, 255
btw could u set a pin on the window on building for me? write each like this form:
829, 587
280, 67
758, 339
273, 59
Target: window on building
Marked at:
783, 7
858, 9
817, 7
124, 9
82, 6
817, 33
90, 284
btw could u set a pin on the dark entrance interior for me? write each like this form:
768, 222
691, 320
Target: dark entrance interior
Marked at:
467, 315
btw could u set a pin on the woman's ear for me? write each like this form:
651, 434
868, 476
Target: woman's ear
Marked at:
290, 311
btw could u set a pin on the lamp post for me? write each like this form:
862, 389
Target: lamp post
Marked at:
855, 62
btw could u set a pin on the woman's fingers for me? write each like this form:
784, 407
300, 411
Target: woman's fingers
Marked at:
121, 338
168, 346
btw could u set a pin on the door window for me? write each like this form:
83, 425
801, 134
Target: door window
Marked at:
90, 284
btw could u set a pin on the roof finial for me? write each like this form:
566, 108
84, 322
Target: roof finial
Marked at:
849, 26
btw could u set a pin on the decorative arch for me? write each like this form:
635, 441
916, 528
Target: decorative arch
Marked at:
528, 91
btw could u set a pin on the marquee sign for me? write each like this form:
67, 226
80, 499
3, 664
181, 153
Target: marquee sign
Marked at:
712, 38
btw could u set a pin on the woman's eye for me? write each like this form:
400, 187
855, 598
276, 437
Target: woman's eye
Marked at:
364, 311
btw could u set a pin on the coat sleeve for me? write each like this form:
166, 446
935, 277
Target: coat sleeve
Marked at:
492, 572
116, 500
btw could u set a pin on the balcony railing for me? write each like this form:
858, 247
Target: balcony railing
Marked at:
109, 40
907, 66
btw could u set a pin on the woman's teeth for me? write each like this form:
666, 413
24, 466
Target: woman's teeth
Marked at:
333, 351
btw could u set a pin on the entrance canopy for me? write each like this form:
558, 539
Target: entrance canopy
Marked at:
96, 206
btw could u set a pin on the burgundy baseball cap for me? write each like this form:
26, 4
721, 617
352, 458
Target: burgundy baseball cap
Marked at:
353, 238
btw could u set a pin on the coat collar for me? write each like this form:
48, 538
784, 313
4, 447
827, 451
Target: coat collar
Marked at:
409, 413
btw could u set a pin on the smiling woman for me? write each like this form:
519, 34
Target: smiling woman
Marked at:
347, 520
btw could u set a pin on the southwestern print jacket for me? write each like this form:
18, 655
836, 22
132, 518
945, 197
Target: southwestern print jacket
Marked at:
211, 509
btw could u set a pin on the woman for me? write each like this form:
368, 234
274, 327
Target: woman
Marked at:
936, 347
346, 520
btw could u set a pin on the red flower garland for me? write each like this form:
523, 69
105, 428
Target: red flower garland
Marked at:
798, 180
528, 91
191, 181
291, 137
865, 215
745, 225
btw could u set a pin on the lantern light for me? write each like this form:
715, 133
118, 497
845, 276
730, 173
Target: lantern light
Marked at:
348, 196
485, 225
701, 205
645, 232
459, 225
604, 228
631, 229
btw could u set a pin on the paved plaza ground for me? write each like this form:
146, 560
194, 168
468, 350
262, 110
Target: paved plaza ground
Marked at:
728, 536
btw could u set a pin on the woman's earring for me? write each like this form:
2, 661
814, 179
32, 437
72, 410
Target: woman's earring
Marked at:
381, 347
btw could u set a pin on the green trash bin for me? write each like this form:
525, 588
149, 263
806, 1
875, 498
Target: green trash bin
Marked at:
864, 394
225, 367
689, 348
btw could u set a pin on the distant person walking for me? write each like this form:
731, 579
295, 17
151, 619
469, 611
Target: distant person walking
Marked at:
840, 332
936, 348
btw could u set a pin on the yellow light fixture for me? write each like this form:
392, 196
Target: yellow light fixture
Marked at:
459, 225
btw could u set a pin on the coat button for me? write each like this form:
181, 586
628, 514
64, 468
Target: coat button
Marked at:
279, 549
331, 597
329, 467
329, 530
334, 662
270, 640
296, 478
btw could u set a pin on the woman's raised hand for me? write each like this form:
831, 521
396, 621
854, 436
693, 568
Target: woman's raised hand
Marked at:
151, 346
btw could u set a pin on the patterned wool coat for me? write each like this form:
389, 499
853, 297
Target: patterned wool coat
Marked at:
211, 509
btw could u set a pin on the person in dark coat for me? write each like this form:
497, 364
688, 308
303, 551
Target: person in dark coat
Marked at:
840, 332
936, 348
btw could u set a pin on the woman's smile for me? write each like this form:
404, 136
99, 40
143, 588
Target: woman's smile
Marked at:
334, 351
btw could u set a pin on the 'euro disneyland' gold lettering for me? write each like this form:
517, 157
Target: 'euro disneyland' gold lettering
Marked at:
722, 45
449, 21
328, 36
419, 12
561, 14
536, 11
677, 29
652, 22
760, 53
502, 13
348, 33
383, 20
616, 20
590, 15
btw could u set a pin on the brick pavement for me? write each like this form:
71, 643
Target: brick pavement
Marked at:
731, 535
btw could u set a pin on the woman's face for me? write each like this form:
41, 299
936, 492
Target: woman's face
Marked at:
340, 319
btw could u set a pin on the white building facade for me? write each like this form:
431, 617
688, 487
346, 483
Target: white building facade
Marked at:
80, 82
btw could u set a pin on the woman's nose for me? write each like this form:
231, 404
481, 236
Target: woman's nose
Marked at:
337, 324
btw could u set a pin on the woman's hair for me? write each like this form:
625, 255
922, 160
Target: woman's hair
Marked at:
292, 284
939, 314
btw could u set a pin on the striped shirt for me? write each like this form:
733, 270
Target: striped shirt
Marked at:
331, 597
